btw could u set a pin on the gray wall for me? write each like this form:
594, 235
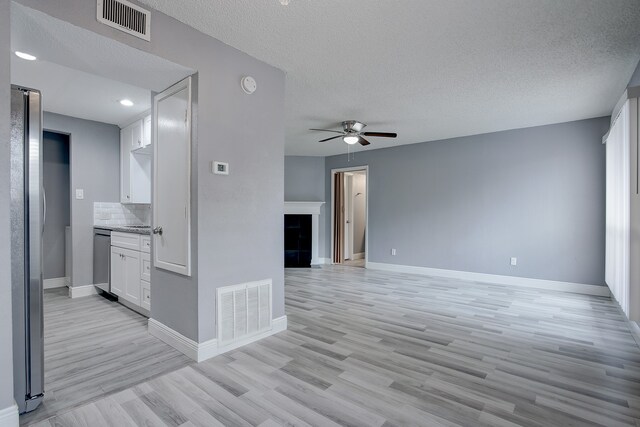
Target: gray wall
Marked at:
56, 187
6, 349
635, 79
304, 181
359, 212
238, 218
471, 203
95, 167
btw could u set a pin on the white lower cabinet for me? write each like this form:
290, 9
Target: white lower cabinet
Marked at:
118, 282
125, 274
130, 270
145, 295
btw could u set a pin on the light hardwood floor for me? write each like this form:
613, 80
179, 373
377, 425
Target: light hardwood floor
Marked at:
93, 347
368, 348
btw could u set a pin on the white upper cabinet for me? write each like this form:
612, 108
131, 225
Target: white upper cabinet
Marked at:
146, 132
125, 165
136, 135
135, 162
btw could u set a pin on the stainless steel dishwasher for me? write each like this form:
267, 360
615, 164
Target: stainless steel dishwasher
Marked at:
102, 259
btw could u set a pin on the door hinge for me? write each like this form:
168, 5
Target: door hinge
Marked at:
186, 116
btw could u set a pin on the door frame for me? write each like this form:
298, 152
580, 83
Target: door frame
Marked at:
185, 83
364, 168
69, 279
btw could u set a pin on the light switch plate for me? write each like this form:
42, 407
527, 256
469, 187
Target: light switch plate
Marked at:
220, 168
79, 193
514, 261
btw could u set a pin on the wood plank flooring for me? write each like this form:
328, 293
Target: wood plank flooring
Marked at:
368, 348
93, 347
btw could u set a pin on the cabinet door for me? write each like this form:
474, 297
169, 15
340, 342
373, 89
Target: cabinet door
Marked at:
117, 272
145, 267
132, 276
125, 165
136, 135
146, 131
145, 295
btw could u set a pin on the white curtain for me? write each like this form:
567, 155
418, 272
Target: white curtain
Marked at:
618, 209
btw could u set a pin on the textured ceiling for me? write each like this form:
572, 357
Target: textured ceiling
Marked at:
430, 69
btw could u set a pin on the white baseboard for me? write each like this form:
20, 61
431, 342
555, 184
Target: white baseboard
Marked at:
184, 345
207, 349
82, 291
322, 261
359, 255
9, 416
552, 285
58, 282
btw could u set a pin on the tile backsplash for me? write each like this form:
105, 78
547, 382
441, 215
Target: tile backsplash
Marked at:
119, 214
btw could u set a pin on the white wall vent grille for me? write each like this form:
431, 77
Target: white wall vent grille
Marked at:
243, 311
125, 16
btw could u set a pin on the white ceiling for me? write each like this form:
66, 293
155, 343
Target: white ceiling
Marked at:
83, 74
78, 94
430, 69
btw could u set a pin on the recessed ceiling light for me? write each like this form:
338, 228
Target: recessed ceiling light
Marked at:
350, 139
25, 56
284, 2
126, 102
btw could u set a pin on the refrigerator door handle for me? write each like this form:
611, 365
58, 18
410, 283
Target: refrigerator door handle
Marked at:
44, 208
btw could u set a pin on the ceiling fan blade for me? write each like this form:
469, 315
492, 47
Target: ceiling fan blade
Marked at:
329, 130
329, 139
381, 134
363, 141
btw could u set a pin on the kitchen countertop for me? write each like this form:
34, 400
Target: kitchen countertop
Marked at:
126, 229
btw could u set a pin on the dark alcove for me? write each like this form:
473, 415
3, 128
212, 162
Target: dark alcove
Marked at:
297, 241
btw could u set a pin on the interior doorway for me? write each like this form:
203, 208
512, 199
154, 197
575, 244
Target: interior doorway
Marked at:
349, 218
56, 236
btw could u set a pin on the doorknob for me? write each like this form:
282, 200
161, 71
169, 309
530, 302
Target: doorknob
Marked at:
157, 230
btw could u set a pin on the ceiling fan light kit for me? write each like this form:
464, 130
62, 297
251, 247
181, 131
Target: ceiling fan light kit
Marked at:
352, 133
350, 139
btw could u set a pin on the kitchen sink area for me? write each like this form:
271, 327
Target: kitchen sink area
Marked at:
122, 254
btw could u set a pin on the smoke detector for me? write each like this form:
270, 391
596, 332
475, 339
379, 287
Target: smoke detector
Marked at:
248, 84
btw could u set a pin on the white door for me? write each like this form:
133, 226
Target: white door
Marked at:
172, 178
348, 216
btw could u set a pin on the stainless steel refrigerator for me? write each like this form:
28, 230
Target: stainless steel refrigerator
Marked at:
28, 213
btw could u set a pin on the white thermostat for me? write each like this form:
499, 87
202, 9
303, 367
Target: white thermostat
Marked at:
220, 168
248, 84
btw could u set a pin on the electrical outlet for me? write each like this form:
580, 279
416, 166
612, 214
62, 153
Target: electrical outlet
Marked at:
514, 260
393, 251
79, 193
220, 168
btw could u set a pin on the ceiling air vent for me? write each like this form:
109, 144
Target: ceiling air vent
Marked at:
125, 17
